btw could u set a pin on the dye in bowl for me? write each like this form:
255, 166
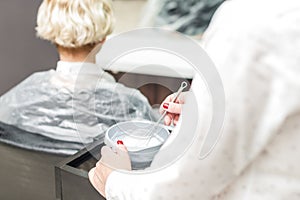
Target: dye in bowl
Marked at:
136, 137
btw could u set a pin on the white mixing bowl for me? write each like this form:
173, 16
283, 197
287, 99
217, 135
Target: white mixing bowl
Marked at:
135, 136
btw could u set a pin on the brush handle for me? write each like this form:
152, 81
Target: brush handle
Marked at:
182, 87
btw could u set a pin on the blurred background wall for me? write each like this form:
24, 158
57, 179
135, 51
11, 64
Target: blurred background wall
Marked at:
21, 53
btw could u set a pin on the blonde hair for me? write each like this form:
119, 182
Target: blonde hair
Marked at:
74, 23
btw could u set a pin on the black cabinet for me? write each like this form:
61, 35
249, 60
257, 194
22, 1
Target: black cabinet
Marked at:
71, 175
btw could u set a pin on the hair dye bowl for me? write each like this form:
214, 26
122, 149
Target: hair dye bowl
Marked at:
136, 137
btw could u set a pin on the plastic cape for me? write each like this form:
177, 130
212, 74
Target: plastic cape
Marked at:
51, 105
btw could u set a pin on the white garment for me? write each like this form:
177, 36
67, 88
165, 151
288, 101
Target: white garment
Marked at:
255, 45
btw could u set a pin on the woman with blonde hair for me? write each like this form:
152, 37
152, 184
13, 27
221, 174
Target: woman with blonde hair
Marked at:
78, 101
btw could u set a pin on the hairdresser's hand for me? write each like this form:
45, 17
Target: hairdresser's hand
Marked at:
173, 109
110, 161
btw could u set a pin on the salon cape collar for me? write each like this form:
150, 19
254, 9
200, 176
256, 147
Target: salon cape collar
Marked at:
78, 67
84, 68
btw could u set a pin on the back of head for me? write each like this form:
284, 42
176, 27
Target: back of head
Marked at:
75, 23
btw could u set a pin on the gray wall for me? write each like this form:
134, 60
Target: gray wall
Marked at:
21, 53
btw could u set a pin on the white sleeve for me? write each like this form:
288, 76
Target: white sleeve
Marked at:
125, 186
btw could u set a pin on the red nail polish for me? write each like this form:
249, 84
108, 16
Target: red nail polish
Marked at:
120, 142
166, 105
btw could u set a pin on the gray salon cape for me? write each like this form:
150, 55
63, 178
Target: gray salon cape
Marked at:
72, 106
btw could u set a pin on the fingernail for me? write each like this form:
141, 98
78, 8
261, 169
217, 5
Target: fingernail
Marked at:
120, 142
166, 105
